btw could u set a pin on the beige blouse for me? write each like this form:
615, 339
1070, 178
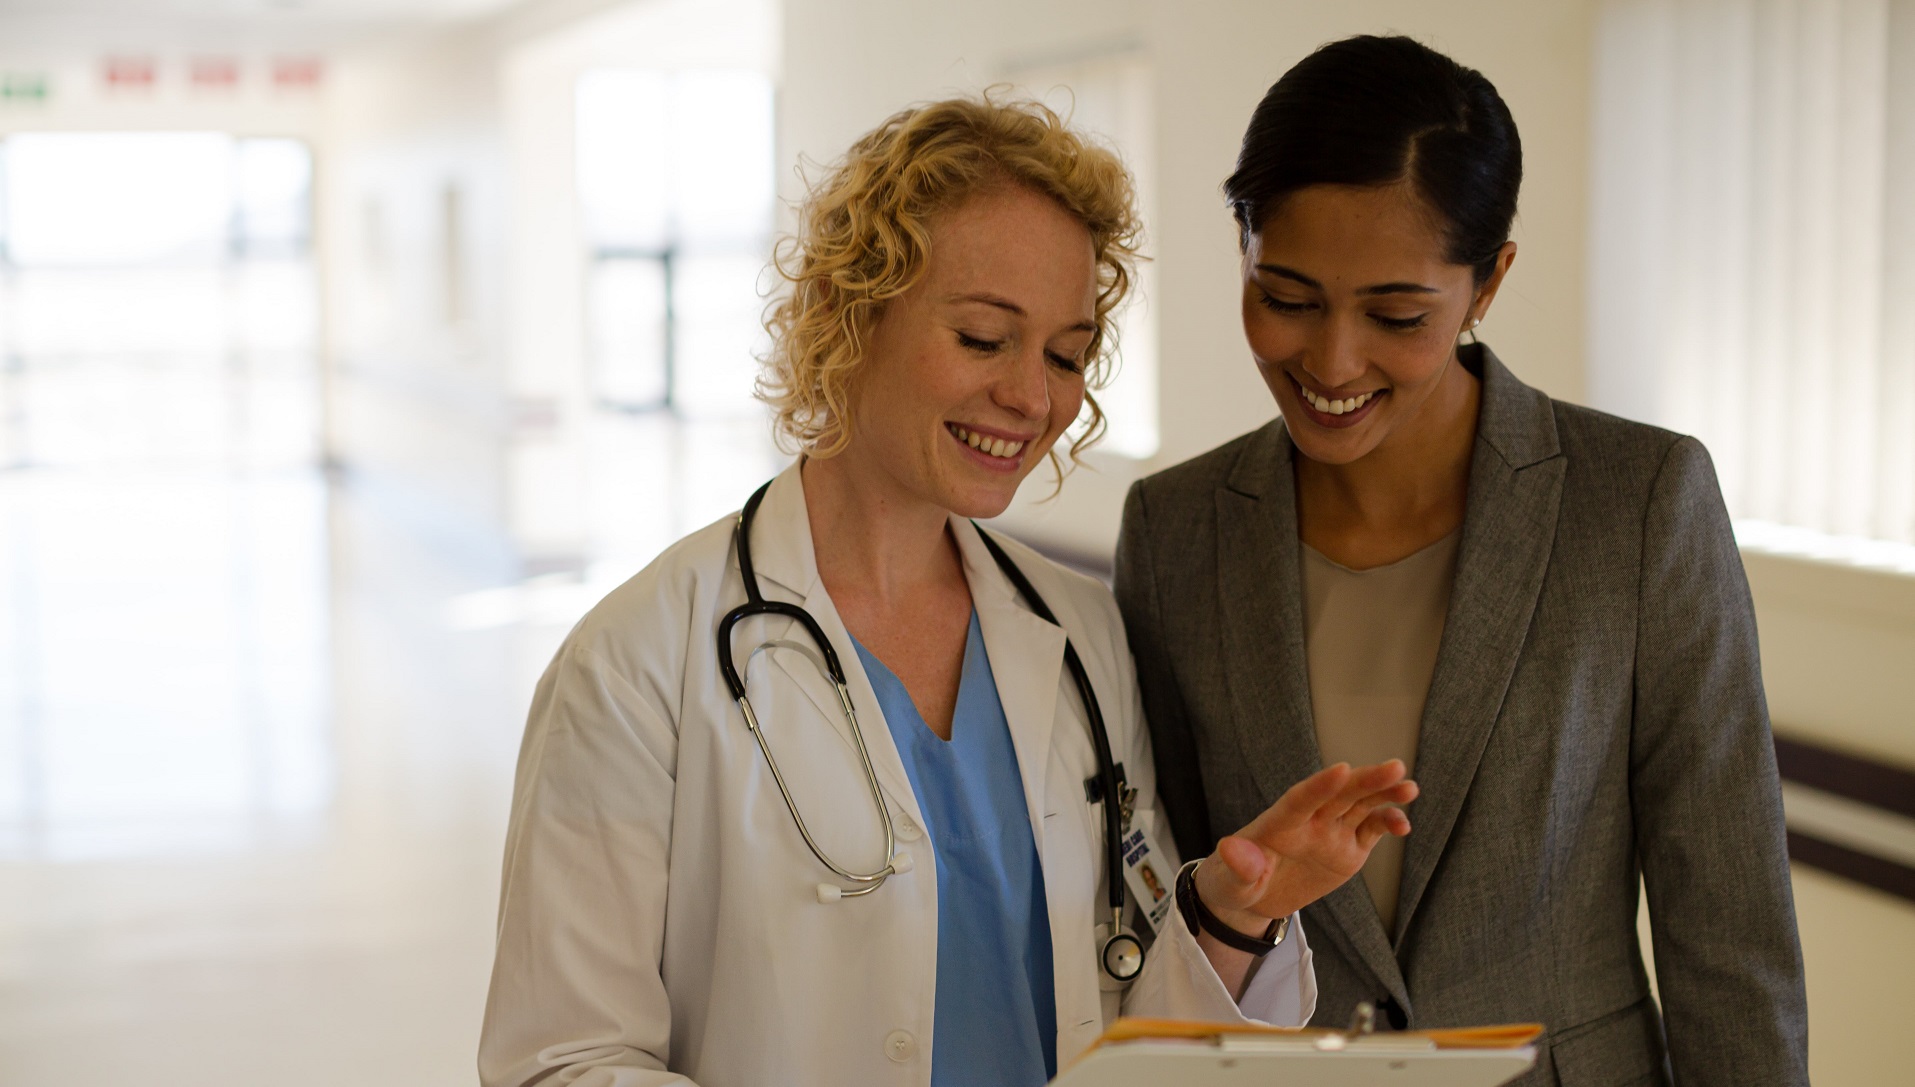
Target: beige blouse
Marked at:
1371, 638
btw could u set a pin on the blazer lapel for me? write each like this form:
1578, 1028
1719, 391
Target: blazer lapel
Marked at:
1509, 529
1261, 594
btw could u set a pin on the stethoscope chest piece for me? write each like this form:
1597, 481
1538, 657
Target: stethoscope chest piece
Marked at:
1123, 957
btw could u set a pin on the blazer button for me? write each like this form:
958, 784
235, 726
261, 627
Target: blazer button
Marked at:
900, 1046
908, 829
1391, 1012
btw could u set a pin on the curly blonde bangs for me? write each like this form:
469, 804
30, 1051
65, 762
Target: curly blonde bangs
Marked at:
862, 240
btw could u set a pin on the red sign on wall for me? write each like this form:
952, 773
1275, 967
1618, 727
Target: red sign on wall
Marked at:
296, 73
215, 73
131, 73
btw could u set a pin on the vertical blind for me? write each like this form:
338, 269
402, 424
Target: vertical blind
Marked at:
1753, 247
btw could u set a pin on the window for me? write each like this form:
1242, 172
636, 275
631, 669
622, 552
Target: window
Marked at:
197, 244
159, 447
675, 183
1753, 250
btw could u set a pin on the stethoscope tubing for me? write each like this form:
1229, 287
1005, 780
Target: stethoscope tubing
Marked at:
756, 604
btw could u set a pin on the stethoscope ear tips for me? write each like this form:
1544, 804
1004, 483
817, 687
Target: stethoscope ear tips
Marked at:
901, 863
829, 892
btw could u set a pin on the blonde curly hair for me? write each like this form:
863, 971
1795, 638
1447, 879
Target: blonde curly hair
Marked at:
863, 235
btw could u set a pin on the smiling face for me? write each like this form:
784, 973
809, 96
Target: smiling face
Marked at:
1352, 310
975, 372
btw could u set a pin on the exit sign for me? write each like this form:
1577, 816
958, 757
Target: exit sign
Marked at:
23, 86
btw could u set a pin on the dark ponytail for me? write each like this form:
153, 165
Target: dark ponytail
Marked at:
1378, 111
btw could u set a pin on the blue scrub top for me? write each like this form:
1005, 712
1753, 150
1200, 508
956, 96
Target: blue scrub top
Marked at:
996, 1018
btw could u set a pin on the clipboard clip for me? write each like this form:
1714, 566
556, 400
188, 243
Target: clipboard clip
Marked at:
1362, 1032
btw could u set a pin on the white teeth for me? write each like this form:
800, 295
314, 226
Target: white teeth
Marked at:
996, 447
1335, 407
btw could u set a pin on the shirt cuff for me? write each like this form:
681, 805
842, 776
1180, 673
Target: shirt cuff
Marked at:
1178, 981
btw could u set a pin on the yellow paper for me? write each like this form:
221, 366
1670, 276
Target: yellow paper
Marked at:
1507, 1036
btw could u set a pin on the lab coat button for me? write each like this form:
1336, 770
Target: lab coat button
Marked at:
908, 830
900, 1046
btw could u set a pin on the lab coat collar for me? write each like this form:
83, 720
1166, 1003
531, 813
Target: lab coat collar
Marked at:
781, 549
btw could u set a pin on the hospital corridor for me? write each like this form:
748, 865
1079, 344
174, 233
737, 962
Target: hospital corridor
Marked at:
261, 715
352, 350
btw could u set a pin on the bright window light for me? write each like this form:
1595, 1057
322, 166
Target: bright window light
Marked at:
624, 179
118, 198
675, 185
1753, 251
275, 193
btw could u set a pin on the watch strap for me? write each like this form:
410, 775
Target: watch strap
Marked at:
1198, 917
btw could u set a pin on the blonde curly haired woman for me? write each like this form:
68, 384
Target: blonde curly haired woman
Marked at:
819, 795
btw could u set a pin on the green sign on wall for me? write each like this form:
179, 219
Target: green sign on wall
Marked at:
23, 86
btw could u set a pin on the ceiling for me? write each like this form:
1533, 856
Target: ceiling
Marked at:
256, 10
315, 25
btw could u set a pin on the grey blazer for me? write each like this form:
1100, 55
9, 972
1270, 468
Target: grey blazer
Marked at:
1596, 712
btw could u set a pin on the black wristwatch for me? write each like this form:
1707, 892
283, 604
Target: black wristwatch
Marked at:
1198, 916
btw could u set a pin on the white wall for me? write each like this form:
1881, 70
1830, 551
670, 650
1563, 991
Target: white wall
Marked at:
1838, 661
411, 204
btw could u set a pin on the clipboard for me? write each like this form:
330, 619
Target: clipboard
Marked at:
1152, 1052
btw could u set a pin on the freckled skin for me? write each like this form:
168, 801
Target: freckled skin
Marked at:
924, 369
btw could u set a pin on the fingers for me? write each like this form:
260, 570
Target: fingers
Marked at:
1363, 783
1312, 793
1398, 794
1379, 823
1237, 882
1338, 793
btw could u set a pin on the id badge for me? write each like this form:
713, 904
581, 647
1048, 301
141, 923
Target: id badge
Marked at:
1149, 879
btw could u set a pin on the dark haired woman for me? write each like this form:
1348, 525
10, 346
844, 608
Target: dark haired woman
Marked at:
1539, 607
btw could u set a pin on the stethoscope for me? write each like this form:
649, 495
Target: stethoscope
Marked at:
1122, 955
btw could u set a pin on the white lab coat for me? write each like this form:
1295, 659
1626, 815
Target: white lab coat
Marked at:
660, 922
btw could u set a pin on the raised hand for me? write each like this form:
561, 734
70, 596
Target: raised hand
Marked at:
1316, 836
